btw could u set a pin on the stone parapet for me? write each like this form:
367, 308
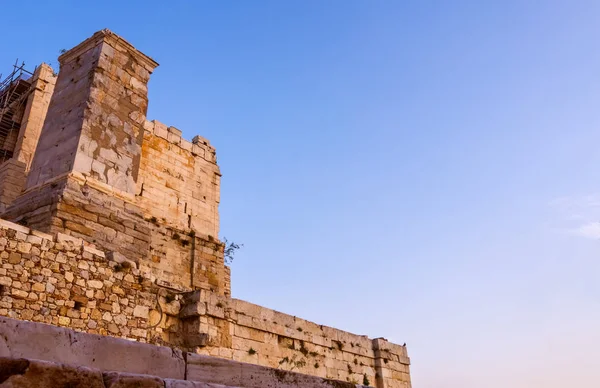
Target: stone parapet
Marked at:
242, 331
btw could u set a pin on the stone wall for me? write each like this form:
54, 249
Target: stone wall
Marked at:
179, 181
64, 281
33, 354
61, 281
246, 332
118, 228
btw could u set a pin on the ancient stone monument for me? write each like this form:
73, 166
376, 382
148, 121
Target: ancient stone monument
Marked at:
109, 226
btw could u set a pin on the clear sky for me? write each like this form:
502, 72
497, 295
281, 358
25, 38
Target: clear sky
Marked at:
426, 171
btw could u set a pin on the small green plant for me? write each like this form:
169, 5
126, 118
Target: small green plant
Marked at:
251, 351
366, 381
229, 250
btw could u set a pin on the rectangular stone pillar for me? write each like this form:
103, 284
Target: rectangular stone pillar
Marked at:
42, 85
95, 122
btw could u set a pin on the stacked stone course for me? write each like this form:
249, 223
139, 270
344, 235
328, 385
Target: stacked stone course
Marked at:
246, 332
62, 281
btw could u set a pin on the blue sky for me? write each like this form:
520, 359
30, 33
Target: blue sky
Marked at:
425, 171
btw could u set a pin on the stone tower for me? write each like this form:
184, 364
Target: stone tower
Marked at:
103, 173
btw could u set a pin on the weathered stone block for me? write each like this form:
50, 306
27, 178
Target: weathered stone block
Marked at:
126, 380
50, 343
21, 373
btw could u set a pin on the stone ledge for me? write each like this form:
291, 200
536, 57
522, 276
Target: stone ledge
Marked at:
23, 339
47, 355
233, 373
26, 373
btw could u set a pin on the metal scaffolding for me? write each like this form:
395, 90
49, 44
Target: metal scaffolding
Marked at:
14, 90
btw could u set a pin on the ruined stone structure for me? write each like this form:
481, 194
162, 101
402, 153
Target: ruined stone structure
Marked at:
109, 225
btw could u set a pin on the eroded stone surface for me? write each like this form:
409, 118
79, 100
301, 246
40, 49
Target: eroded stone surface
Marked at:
126, 380
20, 339
41, 374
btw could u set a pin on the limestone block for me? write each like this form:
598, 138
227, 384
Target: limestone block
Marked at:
127, 380
141, 312
50, 343
169, 383
120, 258
21, 373
193, 310
175, 131
186, 145
160, 129
227, 372
200, 140
11, 225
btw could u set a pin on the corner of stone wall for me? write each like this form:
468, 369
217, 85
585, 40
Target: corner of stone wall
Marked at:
391, 364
